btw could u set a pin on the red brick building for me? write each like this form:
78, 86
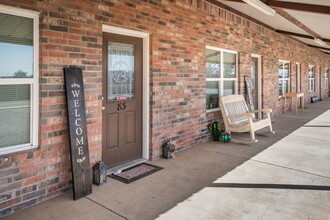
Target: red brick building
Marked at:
184, 55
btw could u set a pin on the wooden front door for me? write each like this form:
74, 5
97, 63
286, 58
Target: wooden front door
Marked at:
122, 99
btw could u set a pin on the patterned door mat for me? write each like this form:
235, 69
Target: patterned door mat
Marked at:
136, 172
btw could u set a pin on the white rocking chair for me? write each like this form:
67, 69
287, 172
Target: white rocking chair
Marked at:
237, 117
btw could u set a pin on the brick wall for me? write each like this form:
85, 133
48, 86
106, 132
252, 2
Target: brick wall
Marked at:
71, 34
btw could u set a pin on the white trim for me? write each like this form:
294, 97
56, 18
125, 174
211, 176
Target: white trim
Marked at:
19, 12
35, 91
34, 82
259, 82
298, 75
319, 82
16, 148
145, 84
15, 81
221, 84
220, 49
146, 89
298, 79
326, 78
212, 110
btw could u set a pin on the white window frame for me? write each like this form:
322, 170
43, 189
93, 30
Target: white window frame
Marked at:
33, 82
326, 78
311, 81
298, 78
221, 80
285, 79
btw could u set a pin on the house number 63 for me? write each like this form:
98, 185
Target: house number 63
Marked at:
121, 106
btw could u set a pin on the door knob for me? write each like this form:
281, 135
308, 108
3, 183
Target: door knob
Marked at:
103, 108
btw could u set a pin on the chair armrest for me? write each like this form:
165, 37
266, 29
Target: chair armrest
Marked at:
267, 110
248, 115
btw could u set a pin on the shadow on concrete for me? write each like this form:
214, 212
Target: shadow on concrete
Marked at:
270, 186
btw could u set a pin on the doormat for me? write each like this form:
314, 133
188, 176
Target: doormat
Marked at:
136, 172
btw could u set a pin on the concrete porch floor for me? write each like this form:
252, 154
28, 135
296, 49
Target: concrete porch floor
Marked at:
283, 176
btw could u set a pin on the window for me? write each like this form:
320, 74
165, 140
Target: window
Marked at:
311, 79
283, 77
221, 75
326, 78
18, 80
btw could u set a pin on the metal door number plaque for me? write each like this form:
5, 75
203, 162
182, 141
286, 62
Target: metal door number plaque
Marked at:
121, 106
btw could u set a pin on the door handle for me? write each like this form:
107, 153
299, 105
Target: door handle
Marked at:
103, 108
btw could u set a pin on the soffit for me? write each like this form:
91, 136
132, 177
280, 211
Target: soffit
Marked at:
320, 23
276, 21
312, 24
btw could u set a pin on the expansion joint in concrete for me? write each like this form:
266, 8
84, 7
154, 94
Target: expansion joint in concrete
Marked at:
116, 213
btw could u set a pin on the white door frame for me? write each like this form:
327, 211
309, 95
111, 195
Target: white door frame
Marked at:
319, 82
259, 82
145, 80
298, 88
298, 75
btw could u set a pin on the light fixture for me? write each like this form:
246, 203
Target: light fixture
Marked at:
261, 7
319, 41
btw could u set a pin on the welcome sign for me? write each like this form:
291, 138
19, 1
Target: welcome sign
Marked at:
82, 185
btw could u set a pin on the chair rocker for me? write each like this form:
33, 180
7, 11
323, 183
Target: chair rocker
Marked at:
237, 117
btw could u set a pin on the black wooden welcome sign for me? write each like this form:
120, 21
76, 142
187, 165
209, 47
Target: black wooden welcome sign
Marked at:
82, 185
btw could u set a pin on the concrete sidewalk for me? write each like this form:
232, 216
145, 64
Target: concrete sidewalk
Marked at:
289, 180
283, 176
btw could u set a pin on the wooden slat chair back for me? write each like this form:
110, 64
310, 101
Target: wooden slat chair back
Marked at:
236, 108
237, 117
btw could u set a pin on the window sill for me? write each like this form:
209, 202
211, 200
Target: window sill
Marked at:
213, 110
16, 149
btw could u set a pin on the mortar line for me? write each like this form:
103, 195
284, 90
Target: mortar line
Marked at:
106, 208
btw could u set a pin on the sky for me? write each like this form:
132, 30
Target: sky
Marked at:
14, 57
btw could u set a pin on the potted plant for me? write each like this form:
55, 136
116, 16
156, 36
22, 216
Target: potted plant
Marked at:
215, 128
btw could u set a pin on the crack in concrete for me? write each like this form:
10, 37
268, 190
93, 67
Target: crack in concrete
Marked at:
116, 213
